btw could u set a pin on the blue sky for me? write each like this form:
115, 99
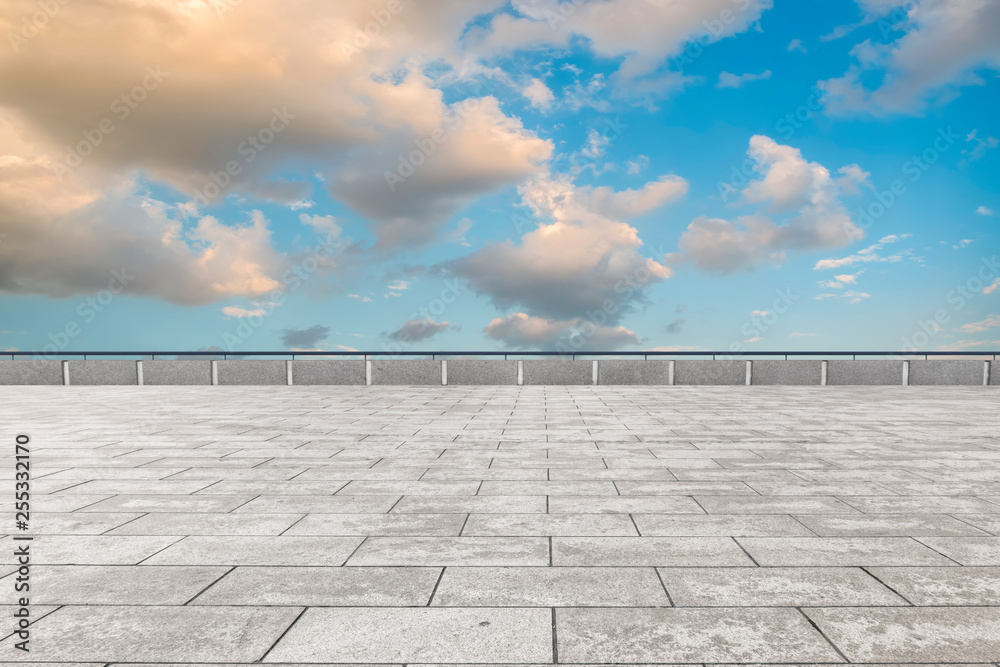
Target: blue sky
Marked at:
601, 174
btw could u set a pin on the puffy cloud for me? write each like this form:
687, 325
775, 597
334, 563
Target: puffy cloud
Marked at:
989, 289
520, 330
304, 339
413, 185
580, 261
538, 94
729, 80
945, 42
644, 34
261, 102
789, 185
796, 45
414, 331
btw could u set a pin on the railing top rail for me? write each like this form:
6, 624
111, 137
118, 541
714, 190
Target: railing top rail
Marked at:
496, 353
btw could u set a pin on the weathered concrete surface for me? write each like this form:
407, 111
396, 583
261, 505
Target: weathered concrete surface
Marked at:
406, 371
328, 372
103, 372
419, 525
558, 371
31, 371
162, 372
946, 372
252, 372
633, 371
864, 372
791, 372
699, 372
482, 371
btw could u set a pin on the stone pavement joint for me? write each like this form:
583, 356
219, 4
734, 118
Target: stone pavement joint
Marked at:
509, 525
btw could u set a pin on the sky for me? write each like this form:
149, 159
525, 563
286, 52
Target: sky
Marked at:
388, 175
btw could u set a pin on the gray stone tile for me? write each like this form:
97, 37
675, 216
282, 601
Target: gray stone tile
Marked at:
647, 551
79, 523
987, 522
925, 586
324, 587
92, 549
156, 634
888, 525
427, 525
967, 550
913, 634
628, 488
118, 585
722, 525
208, 523
774, 505
471, 504
431, 635
410, 488
841, 551
284, 550
550, 587
522, 551
775, 587
167, 503
623, 505
318, 505
549, 524
688, 635
924, 505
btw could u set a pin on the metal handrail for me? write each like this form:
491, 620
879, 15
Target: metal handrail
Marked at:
495, 353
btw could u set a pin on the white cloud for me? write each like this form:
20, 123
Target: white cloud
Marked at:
362, 299
414, 331
760, 313
865, 255
579, 258
538, 94
989, 289
237, 312
729, 80
637, 165
790, 185
991, 322
945, 43
962, 244
966, 344
979, 148
849, 296
982, 210
796, 45
520, 330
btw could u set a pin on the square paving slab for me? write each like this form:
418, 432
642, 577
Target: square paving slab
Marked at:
505, 525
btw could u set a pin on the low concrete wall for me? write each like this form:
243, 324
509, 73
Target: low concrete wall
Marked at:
488, 372
792, 372
103, 371
633, 371
406, 371
31, 371
481, 371
710, 372
946, 372
864, 372
252, 372
163, 372
323, 371
558, 371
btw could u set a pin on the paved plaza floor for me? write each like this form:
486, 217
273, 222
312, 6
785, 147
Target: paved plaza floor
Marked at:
514, 525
